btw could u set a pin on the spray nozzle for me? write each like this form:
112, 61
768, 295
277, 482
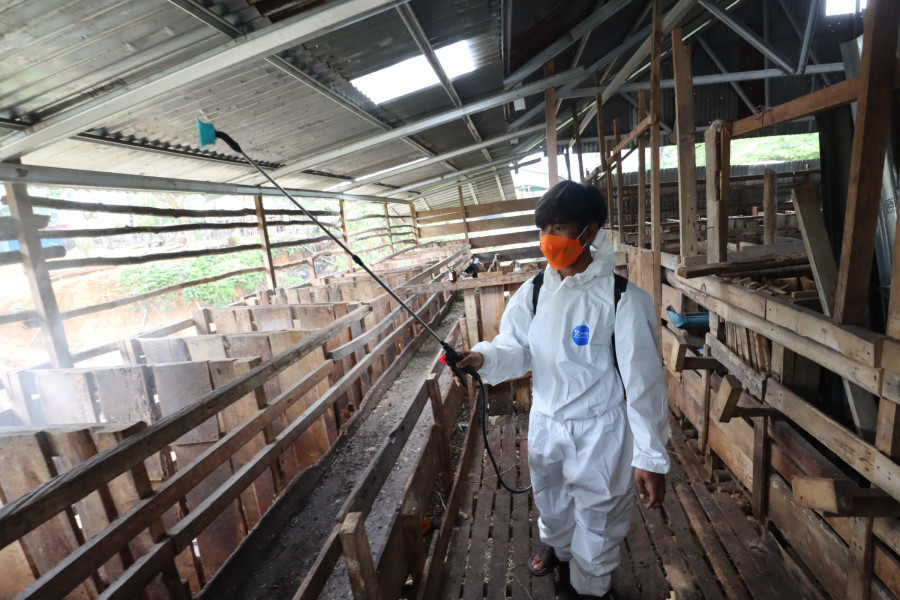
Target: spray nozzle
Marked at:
208, 135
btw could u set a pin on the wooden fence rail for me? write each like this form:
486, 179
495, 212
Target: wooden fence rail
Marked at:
183, 427
402, 553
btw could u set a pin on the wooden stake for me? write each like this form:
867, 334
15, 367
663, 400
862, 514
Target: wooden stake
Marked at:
862, 552
441, 429
577, 125
387, 220
642, 175
604, 161
718, 142
873, 109
760, 468
38, 276
264, 239
620, 200
350, 264
687, 162
358, 557
462, 213
471, 315
703, 425
770, 206
417, 554
550, 119
415, 222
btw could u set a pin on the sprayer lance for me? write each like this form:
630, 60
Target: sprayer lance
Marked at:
208, 135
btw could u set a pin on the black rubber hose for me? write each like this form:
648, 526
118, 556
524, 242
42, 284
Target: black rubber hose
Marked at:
487, 446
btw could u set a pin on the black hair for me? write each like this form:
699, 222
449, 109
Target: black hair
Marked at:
570, 201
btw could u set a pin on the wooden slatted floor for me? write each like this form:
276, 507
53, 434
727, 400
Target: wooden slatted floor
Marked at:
700, 545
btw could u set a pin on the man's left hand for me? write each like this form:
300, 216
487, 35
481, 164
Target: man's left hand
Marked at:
650, 484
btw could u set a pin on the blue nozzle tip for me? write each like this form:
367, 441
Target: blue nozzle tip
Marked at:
206, 132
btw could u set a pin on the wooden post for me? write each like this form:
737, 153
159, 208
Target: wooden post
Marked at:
687, 162
703, 425
350, 265
577, 125
313, 278
642, 174
471, 316
441, 431
415, 222
873, 110
462, 213
468, 341
387, 220
264, 238
655, 191
416, 553
550, 119
862, 554
604, 159
760, 469
38, 276
358, 557
718, 143
770, 206
620, 200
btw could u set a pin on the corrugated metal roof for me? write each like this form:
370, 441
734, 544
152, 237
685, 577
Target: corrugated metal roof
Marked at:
486, 191
59, 55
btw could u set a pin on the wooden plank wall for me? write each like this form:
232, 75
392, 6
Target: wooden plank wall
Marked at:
274, 379
751, 386
402, 555
755, 351
490, 218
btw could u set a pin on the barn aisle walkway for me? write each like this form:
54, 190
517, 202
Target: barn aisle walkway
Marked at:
701, 544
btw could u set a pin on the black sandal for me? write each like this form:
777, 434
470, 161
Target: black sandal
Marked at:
548, 557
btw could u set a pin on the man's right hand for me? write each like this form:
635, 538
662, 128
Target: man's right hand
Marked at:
469, 359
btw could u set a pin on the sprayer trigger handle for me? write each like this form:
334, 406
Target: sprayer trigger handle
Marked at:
461, 373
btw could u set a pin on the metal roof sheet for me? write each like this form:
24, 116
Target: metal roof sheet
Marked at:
61, 54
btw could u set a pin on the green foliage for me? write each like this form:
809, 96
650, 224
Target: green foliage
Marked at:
746, 151
144, 278
781, 148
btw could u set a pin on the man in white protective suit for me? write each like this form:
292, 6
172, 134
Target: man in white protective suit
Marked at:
594, 430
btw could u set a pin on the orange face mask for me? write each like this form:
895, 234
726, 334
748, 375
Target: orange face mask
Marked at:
561, 251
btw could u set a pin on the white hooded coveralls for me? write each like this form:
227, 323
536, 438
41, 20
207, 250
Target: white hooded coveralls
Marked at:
583, 438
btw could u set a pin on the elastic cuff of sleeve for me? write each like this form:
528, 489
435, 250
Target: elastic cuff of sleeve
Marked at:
651, 464
487, 352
